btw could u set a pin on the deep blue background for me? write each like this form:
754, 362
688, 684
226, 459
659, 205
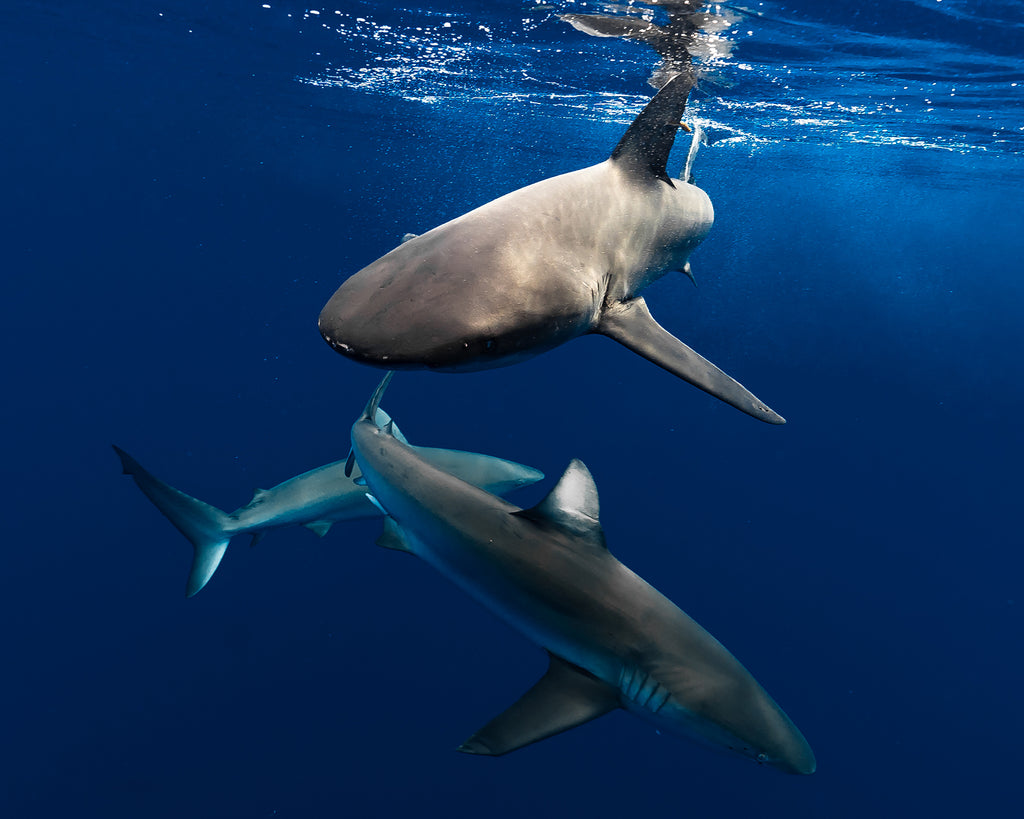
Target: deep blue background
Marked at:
177, 209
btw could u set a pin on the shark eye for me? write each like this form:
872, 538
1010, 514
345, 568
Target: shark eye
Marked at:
762, 757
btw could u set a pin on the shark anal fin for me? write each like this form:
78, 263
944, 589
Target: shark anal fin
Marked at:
393, 537
631, 324
566, 696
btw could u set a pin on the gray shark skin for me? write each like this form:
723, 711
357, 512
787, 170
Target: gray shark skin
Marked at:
613, 641
558, 259
316, 499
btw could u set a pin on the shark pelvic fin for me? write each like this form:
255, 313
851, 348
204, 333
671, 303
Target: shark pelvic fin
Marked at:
393, 537
631, 324
566, 696
572, 505
319, 527
644, 148
376, 503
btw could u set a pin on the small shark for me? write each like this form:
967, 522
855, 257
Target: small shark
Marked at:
316, 499
613, 641
547, 263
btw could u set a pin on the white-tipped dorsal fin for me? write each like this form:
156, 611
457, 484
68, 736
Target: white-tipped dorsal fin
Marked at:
572, 505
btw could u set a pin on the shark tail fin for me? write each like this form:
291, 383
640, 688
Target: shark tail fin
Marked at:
206, 527
370, 412
599, 25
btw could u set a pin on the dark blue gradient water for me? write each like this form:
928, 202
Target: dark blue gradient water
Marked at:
185, 186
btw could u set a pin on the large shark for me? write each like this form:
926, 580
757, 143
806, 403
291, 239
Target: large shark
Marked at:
613, 641
542, 265
315, 499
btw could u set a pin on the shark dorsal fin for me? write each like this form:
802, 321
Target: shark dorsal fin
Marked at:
572, 505
644, 148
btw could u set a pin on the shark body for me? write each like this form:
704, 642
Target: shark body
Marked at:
316, 499
613, 640
564, 257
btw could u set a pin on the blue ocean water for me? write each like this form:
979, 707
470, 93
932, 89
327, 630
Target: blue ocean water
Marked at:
186, 185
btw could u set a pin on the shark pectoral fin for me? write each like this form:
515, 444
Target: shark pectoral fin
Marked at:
566, 696
631, 324
495, 475
319, 527
393, 537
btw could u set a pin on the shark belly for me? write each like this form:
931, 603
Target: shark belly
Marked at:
515, 277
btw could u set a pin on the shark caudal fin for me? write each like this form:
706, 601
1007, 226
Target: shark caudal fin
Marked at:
205, 526
372, 413
688, 34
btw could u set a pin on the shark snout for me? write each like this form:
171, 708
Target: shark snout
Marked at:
331, 326
802, 763
792, 754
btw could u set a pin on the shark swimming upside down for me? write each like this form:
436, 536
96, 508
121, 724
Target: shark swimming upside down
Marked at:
613, 641
524, 273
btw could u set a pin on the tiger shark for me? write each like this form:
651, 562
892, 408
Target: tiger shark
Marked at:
316, 499
526, 272
613, 641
